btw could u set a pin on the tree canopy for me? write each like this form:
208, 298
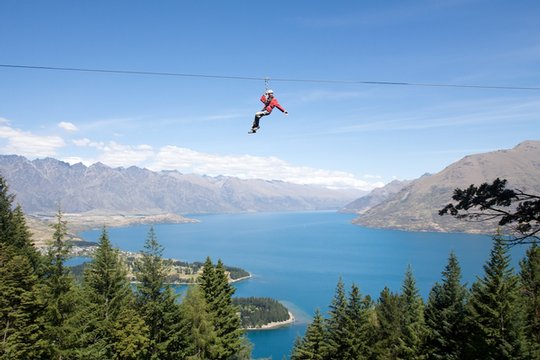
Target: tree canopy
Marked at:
514, 209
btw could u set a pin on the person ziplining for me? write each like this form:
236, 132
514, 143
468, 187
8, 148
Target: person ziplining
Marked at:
268, 97
270, 102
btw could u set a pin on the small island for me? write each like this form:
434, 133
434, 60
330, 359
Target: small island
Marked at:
263, 313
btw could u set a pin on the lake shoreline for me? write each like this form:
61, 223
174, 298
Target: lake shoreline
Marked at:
274, 325
299, 257
241, 279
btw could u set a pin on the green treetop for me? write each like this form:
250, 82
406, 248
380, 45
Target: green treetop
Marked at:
218, 293
530, 292
445, 314
156, 301
312, 347
335, 345
494, 312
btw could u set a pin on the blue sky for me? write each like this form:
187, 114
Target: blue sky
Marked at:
336, 134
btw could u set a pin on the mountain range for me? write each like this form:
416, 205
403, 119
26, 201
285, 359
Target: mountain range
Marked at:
415, 206
45, 185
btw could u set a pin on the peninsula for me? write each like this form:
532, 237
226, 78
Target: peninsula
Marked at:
263, 313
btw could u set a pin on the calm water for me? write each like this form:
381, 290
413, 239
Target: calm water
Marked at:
297, 258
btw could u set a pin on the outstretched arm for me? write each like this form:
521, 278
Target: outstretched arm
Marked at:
281, 108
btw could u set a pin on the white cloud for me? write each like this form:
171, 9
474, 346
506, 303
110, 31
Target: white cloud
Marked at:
242, 166
15, 141
67, 126
27, 144
114, 154
76, 159
371, 176
250, 167
85, 142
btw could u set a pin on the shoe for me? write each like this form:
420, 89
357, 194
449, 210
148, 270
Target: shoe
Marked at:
252, 131
256, 128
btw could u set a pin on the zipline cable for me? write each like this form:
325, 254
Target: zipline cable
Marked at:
266, 79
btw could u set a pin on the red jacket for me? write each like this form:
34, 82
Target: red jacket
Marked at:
269, 105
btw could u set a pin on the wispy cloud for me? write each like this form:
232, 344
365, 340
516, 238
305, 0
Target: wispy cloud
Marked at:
27, 144
469, 113
85, 142
249, 167
76, 159
67, 126
115, 154
112, 123
242, 166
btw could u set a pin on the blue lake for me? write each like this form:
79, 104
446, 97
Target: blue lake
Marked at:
298, 258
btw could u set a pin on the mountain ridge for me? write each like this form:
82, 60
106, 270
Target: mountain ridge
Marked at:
375, 197
416, 206
45, 185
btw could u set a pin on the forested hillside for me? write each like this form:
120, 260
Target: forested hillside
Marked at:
495, 318
45, 314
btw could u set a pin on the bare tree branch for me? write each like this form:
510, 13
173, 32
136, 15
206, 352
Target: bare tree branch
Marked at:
514, 209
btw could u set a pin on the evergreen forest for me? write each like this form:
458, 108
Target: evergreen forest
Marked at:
46, 314
498, 317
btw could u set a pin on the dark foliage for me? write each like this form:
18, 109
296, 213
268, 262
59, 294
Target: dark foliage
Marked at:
256, 312
512, 208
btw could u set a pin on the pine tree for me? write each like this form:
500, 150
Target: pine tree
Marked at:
207, 280
356, 326
106, 293
21, 331
130, 336
57, 291
6, 213
530, 293
173, 341
14, 232
197, 326
21, 239
217, 292
88, 338
226, 316
494, 313
311, 346
155, 299
106, 278
335, 344
413, 330
445, 314
388, 328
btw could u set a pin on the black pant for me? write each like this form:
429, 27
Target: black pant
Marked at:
258, 116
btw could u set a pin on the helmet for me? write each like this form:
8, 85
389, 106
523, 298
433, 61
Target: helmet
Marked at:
268, 92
